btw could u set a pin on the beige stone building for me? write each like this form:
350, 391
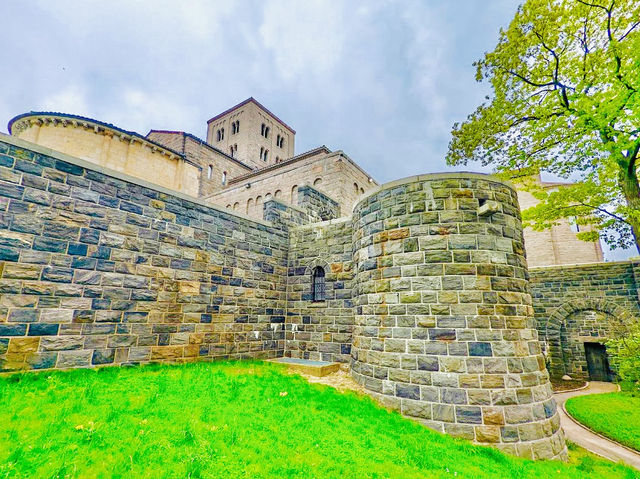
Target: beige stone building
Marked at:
247, 159
558, 244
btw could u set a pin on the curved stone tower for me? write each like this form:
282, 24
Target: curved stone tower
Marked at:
444, 324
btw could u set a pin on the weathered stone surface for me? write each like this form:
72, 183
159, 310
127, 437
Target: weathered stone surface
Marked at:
475, 339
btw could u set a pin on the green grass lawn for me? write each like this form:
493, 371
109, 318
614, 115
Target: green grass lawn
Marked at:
232, 420
615, 415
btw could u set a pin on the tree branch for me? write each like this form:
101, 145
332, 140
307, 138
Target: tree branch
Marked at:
629, 31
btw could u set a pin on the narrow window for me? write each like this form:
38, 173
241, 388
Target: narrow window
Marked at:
233, 128
277, 194
294, 194
231, 150
573, 224
355, 187
266, 132
222, 133
224, 178
263, 128
237, 126
209, 172
261, 152
218, 135
236, 205
317, 285
249, 205
266, 155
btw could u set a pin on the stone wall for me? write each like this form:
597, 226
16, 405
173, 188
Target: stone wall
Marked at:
320, 330
444, 328
101, 269
334, 174
582, 303
199, 152
110, 147
559, 244
249, 140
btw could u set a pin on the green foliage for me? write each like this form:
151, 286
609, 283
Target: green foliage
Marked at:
231, 420
624, 354
565, 80
615, 415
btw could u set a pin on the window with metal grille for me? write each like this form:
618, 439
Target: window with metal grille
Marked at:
317, 284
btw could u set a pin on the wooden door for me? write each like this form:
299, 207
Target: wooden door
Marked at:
597, 362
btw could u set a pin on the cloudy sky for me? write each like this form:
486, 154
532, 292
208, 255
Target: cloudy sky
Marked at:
382, 80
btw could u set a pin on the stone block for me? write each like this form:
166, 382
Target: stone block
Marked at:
73, 359
61, 343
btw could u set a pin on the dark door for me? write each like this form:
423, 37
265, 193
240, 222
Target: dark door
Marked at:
597, 362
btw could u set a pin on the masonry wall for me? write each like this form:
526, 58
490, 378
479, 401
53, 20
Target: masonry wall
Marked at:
249, 140
98, 269
575, 304
444, 328
333, 174
320, 330
557, 245
205, 156
113, 149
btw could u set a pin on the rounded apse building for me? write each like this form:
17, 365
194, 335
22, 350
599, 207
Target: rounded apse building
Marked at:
444, 328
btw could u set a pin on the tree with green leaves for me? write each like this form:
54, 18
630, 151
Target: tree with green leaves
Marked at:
565, 81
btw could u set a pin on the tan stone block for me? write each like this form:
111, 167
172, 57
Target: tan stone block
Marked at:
166, 352
493, 416
23, 345
488, 434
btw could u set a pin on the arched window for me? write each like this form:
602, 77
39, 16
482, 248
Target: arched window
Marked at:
294, 195
278, 140
209, 172
222, 133
266, 132
229, 206
262, 129
355, 187
317, 284
237, 126
224, 178
261, 152
236, 205
267, 197
249, 205
233, 128
277, 194
318, 182
362, 191
259, 206
266, 155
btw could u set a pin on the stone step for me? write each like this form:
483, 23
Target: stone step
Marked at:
306, 366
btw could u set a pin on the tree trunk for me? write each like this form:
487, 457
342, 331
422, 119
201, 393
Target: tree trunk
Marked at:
628, 182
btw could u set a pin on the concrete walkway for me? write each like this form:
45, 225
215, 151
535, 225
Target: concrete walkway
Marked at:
583, 437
